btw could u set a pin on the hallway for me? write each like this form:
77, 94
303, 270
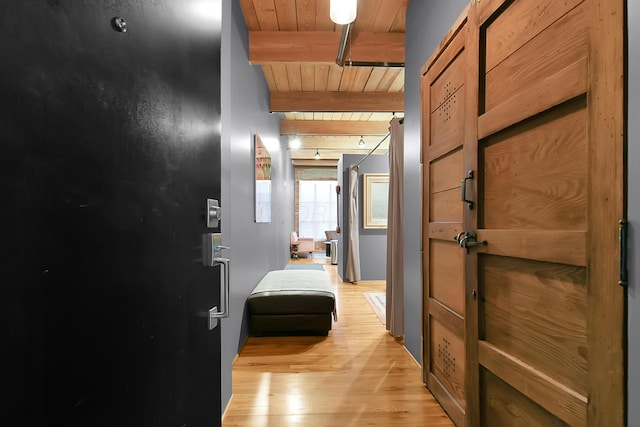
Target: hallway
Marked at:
358, 375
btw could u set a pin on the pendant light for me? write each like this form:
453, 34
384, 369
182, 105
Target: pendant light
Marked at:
361, 142
343, 12
317, 155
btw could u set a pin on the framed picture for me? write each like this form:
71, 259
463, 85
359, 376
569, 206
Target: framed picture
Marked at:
263, 181
376, 200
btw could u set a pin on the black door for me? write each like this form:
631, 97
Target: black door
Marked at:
109, 148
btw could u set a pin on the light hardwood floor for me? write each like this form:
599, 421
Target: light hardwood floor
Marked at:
357, 376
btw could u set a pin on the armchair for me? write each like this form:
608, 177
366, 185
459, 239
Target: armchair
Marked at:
301, 244
331, 235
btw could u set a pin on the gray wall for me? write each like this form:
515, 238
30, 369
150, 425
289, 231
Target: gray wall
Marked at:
633, 9
373, 243
427, 23
255, 248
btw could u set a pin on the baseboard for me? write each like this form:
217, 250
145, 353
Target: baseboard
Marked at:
224, 413
411, 356
226, 408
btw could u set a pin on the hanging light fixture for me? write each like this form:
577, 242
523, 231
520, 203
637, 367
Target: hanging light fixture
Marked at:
317, 155
361, 142
343, 12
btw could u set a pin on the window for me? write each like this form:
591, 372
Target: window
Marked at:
317, 208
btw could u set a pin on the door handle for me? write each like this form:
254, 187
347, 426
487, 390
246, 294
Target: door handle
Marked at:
463, 184
214, 313
224, 290
211, 246
624, 273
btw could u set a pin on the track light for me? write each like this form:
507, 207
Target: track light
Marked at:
361, 142
317, 155
343, 12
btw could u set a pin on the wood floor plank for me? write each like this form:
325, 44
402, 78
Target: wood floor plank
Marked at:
358, 375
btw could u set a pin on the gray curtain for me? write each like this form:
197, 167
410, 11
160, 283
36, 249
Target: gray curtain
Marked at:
352, 269
395, 232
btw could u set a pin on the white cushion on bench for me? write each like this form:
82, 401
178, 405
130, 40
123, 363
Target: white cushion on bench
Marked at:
294, 280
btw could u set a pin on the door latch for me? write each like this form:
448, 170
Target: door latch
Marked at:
467, 239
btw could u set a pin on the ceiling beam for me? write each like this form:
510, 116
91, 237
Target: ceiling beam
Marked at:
337, 101
322, 47
331, 154
340, 141
332, 127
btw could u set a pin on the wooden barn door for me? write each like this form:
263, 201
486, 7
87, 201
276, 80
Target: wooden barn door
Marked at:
522, 114
443, 110
546, 330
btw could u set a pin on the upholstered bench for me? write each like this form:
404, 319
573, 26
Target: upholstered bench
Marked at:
292, 302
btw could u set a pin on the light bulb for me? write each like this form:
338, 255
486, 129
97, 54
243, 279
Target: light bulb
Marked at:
361, 142
317, 155
343, 12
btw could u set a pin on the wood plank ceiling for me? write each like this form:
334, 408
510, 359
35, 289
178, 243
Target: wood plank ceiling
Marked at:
328, 106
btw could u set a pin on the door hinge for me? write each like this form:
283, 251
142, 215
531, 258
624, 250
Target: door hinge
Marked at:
624, 273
